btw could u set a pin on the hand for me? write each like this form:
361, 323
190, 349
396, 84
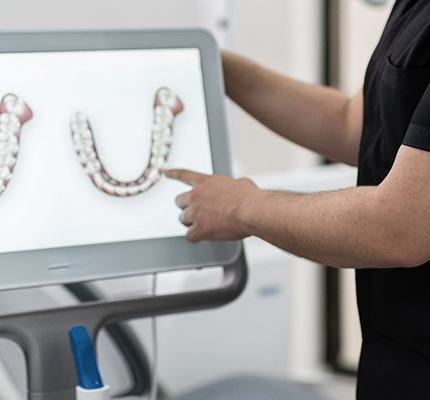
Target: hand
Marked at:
212, 210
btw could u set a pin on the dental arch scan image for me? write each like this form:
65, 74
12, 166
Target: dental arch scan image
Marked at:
166, 106
81, 163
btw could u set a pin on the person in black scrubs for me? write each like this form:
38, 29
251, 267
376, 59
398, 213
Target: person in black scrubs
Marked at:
381, 227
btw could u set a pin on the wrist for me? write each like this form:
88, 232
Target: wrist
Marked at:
250, 211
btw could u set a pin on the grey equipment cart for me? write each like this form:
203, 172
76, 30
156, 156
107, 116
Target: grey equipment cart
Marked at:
43, 335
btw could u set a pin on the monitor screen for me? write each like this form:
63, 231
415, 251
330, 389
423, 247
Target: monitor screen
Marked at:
83, 137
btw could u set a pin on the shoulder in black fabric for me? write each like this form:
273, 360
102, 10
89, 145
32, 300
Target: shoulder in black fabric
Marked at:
412, 49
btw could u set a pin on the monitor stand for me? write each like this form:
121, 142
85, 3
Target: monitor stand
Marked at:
43, 335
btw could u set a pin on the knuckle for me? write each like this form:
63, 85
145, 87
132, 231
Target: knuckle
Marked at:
244, 179
248, 182
191, 237
195, 193
191, 212
196, 209
181, 218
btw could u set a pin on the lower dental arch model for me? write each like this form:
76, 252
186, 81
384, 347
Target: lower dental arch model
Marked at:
14, 113
167, 106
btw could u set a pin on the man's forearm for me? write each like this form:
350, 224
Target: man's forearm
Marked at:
379, 226
343, 229
315, 117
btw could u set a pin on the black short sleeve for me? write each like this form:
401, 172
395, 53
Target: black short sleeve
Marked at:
418, 133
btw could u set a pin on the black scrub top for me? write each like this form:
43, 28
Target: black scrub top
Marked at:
394, 304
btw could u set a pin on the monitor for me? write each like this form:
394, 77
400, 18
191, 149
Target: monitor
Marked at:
87, 122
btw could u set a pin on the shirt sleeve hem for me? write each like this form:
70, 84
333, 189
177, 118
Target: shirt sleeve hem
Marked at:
418, 136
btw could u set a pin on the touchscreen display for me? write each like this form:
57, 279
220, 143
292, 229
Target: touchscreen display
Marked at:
83, 136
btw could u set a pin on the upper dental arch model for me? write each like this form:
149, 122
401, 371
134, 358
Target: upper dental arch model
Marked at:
167, 106
14, 113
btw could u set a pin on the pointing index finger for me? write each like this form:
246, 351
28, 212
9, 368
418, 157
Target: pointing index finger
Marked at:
184, 175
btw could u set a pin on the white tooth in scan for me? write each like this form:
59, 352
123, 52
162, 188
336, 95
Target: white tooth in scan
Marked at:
14, 149
108, 187
133, 190
163, 136
81, 117
160, 150
82, 158
144, 186
77, 125
10, 160
10, 122
90, 154
86, 134
157, 162
13, 140
163, 115
167, 106
94, 166
14, 104
167, 97
5, 173
153, 175
14, 113
90, 169
98, 179
121, 191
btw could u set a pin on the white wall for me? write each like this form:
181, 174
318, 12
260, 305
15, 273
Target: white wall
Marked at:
112, 14
286, 36
361, 26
